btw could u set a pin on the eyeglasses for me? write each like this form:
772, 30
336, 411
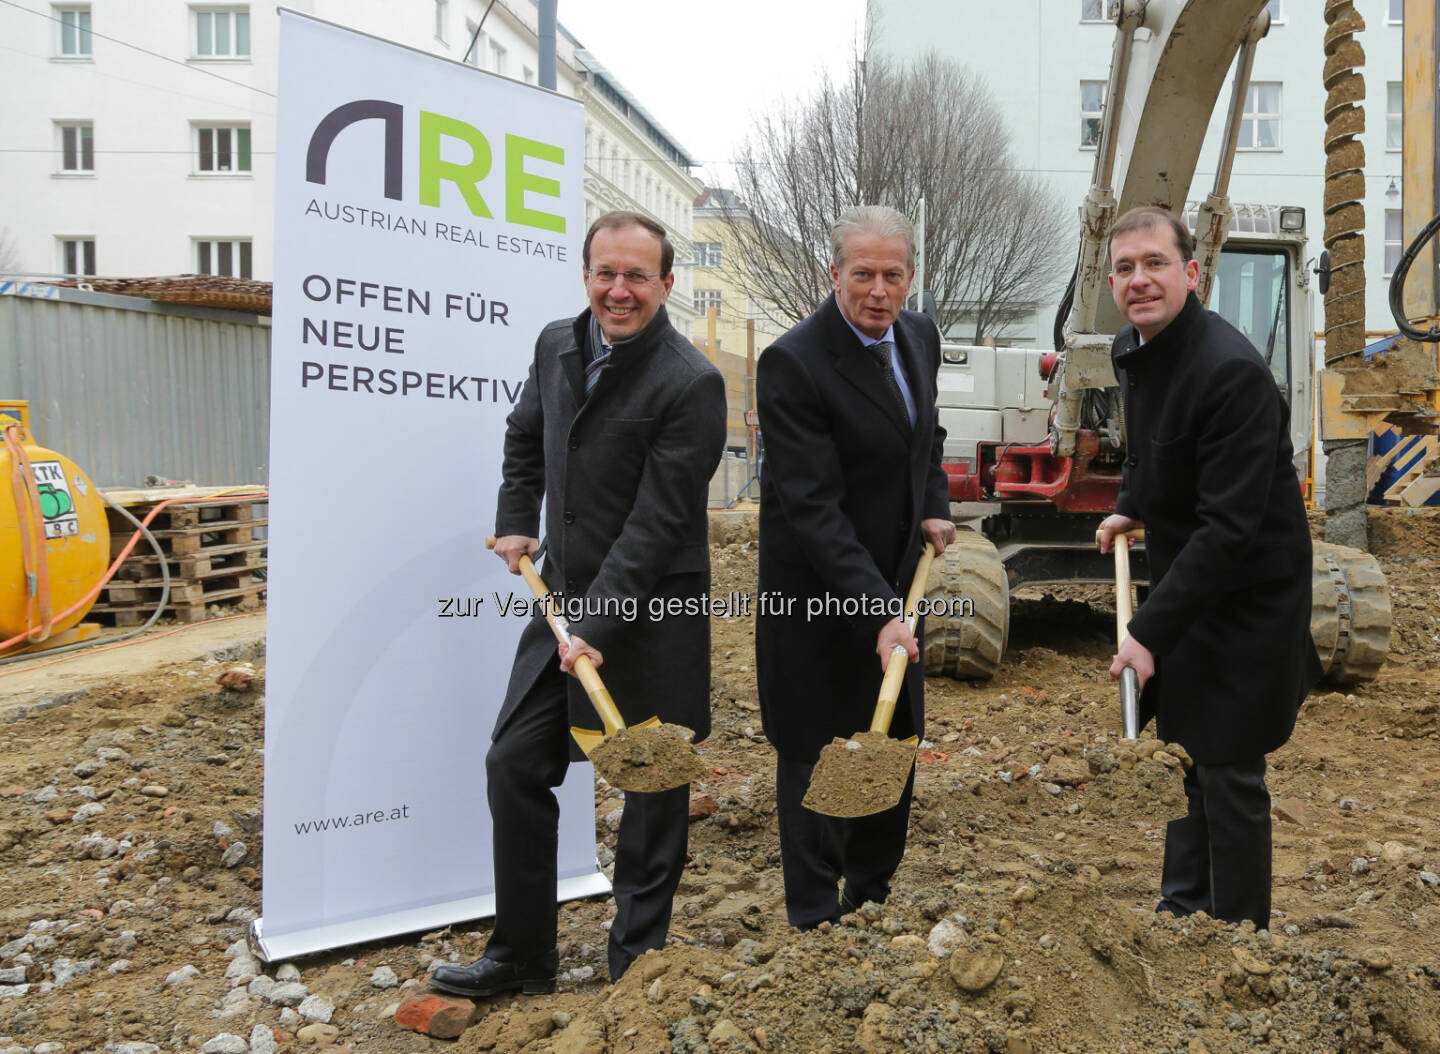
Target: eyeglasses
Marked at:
1151, 266
634, 279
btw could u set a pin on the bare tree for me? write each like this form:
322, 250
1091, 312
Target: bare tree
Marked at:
996, 239
9, 253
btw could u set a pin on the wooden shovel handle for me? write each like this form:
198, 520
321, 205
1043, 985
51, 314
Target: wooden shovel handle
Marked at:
899, 660
1124, 607
584, 666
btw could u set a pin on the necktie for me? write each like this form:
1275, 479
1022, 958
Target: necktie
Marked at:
599, 355
881, 351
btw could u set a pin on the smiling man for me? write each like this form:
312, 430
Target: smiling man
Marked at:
850, 489
1221, 645
618, 428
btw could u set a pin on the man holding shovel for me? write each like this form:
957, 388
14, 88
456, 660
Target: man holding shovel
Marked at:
1221, 646
619, 428
850, 490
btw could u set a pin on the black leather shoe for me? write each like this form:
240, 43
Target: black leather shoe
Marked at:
487, 977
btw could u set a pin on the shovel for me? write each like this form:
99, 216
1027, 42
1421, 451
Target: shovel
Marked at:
1129, 682
867, 773
656, 759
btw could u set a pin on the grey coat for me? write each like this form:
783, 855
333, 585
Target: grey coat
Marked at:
625, 477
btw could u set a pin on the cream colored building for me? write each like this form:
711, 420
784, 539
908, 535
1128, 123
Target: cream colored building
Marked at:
742, 326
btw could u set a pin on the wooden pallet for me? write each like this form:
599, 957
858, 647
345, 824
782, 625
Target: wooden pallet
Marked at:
215, 550
1419, 481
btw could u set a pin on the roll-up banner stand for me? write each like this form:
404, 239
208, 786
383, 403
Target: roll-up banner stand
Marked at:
427, 226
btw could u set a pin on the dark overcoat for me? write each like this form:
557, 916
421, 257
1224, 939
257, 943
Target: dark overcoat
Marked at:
625, 476
1209, 471
845, 483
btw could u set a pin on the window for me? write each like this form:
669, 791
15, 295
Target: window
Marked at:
1394, 115
77, 256
1251, 291
77, 148
497, 58
475, 41
1277, 11
1393, 238
1397, 11
1092, 11
707, 254
442, 17
222, 32
705, 299
228, 258
74, 31
1092, 105
1260, 126
222, 149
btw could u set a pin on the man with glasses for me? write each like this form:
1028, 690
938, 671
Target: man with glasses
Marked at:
1221, 646
850, 491
619, 427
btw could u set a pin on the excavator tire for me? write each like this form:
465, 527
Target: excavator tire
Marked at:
1349, 614
967, 645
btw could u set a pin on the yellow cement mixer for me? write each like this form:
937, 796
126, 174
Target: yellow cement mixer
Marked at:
54, 538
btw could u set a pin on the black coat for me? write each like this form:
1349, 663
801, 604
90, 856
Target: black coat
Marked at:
625, 475
1210, 472
844, 486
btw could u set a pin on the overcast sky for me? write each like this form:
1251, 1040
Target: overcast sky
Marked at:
704, 70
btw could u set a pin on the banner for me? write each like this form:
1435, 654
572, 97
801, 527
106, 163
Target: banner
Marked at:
427, 226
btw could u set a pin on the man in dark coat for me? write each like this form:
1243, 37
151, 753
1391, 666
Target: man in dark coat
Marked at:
619, 428
850, 489
1222, 644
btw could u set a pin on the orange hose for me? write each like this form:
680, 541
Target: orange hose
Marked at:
124, 554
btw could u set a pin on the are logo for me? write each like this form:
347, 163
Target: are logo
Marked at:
468, 177
57, 506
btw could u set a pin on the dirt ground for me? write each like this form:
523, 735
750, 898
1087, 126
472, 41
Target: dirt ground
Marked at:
1022, 918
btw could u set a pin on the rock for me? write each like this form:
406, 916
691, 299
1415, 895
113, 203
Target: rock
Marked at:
1395, 852
1376, 958
225, 1043
1292, 810
239, 679
384, 977
1249, 963
976, 971
946, 936
317, 1008
86, 769
184, 975
701, 806
288, 993
1023, 894
236, 853
243, 968
1065, 770
261, 986
441, 1016
262, 1040
317, 1035
12, 975
66, 970
155, 790
87, 811
287, 972
727, 1033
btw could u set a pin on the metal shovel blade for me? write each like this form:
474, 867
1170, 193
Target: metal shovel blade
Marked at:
589, 739
867, 773
861, 776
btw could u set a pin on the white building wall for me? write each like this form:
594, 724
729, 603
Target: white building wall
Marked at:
145, 203
1035, 53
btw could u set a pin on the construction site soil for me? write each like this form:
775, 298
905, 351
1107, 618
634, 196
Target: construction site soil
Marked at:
1021, 920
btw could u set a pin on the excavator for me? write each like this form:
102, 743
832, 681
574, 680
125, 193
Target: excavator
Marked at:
1036, 439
